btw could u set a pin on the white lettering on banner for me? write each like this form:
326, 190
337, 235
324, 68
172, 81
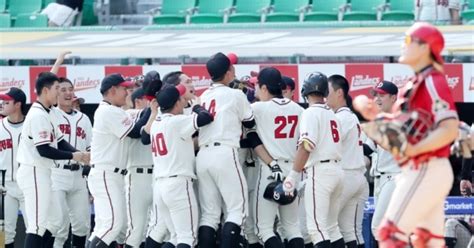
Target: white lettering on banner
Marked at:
201, 82
6, 83
400, 81
85, 83
452, 81
457, 206
363, 81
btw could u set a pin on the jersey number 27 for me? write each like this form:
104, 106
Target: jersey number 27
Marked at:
158, 145
282, 121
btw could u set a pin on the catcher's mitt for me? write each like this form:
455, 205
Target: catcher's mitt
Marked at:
394, 132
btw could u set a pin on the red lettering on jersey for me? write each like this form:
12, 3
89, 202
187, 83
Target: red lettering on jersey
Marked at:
212, 107
80, 133
335, 132
158, 145
65, 128
282, 121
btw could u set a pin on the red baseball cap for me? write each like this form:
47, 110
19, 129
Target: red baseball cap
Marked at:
431, 35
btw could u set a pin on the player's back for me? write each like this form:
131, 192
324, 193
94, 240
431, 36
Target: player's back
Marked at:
136, 156
353, 155
229, 108
278, 126
320, 128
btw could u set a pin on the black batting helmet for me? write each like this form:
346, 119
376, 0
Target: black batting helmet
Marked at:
274, 192
315, 82
152, 83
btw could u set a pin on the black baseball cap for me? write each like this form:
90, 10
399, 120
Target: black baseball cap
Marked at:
151, 84
169, 95
14, 94
138, 94
217, 66
288, 83
114, 80
384, 87
271, 77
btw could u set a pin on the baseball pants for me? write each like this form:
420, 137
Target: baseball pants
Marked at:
384, 185
302, 209
14, 201
71, 203
157, 228
459, 232
221, 177
418, 199
354, 195
266, 211
139, 199
177, 205
35, 183
322, 201
251, 174
108, 190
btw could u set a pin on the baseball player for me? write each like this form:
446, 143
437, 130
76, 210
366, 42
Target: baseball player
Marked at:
426, 178
288, 87
10, 130
109, 159
277, 124
178, 77
222, 177
356, 188
173, 157
139, 178
384, 167
465, 146
70, 194
42, 143
319, 153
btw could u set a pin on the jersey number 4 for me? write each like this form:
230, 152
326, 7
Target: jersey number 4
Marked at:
282, 121
158, 145
212, 107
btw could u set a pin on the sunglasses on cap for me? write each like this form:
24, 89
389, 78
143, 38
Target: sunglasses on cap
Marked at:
409, 39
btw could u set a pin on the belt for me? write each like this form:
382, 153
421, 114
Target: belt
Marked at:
213, 144
116, 170
144, 170
71, 167
327, 161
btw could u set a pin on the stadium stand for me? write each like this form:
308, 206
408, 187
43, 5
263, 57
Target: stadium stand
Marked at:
287, 11
18, 7
5, 21
326, 10
398, 10
31, 20
364, 10
468, 10
174, 12
211, 11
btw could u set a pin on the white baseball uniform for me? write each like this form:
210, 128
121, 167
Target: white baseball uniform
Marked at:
222, 177
34, 175
106, 179
70, 193
14, 200
138, 182
320, 129
356, 188
173, 159
433, 10
249, 162
277, 126
384, 170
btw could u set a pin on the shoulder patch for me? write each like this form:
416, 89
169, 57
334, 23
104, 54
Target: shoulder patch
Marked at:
439, 105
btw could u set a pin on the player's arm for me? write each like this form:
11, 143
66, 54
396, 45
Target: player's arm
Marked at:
59, 61
145, 132
443, 135
135, 132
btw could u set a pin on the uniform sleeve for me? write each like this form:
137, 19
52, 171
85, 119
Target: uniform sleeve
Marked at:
120, 123
245, 110
309, 129
186, 124
442, 101
42, 131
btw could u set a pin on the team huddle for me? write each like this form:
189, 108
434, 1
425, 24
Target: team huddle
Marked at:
225, 170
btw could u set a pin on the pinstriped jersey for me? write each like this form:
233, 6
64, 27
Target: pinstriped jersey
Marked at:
40, 128
139, 155
9, 140
320, 129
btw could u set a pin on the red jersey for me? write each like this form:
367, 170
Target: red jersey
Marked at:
432, 95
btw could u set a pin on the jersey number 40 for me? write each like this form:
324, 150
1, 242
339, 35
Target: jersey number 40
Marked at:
158, 145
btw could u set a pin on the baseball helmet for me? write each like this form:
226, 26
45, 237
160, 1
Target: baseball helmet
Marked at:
430, 35
315, 82
152, 83
274, 192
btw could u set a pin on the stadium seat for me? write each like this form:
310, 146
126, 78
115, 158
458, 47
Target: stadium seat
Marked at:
467, 13
212, 11
17, 7
249, 10
3, 6
5, 21
88, 15
287, 11
28, 20
174, 12
364, 10
399, 10
323, 10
